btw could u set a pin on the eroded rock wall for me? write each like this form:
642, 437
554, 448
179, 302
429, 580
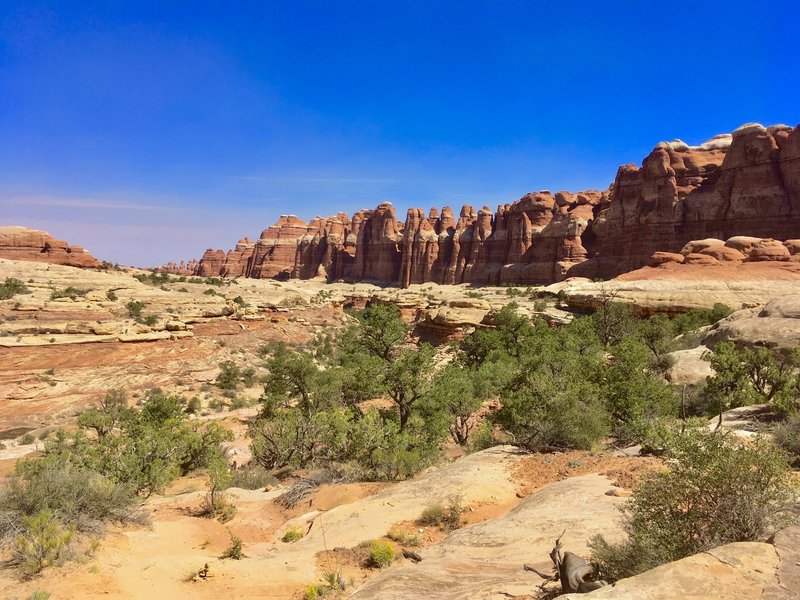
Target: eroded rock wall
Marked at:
741, 184
21, 243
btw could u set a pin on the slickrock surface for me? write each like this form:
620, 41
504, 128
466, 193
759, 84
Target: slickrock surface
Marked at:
676, 208
21, 243
484, 561
149, 563
775, 325
740, 571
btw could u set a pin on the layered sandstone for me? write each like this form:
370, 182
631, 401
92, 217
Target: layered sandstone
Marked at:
21, 243
678, 206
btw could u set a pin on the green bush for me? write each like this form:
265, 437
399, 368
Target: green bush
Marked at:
381, 554
252, 477
80, 498
193, 406
11, 287
217, 504
234, 550
292, 535
403, 538
27, 439
448, 516
69, 292
43, 542
716, 491
111, 295
134, 308
229, 375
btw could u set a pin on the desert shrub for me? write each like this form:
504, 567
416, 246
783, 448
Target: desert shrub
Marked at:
150, 320
134, 308
80, 498
787, 437
332, 581
381, 554
432, 515
240, 301
292, 535
69, 292
482, 437
234, 550
249, 376
403, 538
217, 504
229, 374
715, 491
43, 542
11, 287
193, 406
149, 448
27, 439
448, 515
240, 402
451, 401
112, 296
39, 595
311, 592
749, 375
252, 477
696, 319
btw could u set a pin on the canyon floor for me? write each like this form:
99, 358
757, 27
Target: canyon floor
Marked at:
74, 335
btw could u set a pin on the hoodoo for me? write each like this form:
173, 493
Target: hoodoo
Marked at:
741, 184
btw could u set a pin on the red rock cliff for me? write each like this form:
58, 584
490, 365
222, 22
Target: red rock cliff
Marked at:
741, 184
21, 243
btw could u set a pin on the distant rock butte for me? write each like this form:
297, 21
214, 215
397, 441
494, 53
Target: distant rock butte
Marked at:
742, 187
21, 243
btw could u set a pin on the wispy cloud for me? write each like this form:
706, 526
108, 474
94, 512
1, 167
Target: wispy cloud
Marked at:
267, 178
79, 203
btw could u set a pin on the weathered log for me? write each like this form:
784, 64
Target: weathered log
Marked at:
570, 570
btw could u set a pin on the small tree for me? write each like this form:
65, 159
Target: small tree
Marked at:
110, 413
42, 544
408, 379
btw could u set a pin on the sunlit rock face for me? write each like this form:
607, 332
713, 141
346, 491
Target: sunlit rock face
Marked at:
21, 243
739, 186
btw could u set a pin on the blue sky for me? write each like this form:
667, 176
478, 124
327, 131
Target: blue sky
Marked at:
149, 131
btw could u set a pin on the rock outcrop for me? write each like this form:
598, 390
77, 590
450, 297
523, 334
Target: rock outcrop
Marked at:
678, 206
21, 243
775, 325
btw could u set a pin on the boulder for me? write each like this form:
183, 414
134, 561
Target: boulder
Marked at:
776, 325
769, 250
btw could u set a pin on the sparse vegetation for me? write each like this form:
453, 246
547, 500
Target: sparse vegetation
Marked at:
234, 550
403, 538
69, 292
134, 308
11, 287
112, 296
43, 542
447, 516
381, 554
252, 477
292, 535
715, 491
